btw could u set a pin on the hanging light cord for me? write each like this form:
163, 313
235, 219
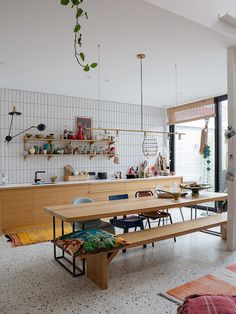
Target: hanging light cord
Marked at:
141, 95
99, 85
141, 56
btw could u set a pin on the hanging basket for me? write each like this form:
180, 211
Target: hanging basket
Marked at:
150, 147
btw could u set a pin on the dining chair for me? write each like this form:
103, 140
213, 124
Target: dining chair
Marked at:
154, 214
91, 224
129, 222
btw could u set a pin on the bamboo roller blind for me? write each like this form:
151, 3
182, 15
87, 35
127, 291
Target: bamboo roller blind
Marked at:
202, 109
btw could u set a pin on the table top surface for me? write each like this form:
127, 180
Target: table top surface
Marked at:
107, 209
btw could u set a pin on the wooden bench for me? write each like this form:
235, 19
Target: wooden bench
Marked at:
97, 264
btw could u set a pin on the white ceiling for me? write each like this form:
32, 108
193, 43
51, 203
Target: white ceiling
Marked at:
36, 49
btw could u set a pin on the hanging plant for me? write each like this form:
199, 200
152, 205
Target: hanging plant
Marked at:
79, 13
206, 156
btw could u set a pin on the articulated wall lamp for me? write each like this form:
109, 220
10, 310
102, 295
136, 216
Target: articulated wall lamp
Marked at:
8, 138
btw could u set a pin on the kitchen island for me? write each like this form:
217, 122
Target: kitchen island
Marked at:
22, 205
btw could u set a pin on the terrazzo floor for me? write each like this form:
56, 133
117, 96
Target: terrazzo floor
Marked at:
31, 282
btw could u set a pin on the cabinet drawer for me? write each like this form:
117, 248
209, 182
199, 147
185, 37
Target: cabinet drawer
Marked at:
69, 193
113, 187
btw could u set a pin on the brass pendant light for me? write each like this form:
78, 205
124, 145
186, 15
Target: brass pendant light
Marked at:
150, 144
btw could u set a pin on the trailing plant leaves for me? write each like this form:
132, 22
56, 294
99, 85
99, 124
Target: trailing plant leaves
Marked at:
65, 2
86, 68
77, 28
93, 65
82, 57
79, 13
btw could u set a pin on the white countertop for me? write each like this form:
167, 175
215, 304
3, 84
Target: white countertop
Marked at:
60, 183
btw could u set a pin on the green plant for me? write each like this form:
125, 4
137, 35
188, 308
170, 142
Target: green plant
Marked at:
53, 178
79, 55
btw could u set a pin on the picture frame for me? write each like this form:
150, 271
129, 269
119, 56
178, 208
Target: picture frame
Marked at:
85, 122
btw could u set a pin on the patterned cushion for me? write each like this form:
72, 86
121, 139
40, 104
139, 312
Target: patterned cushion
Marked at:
208, 304
89, 241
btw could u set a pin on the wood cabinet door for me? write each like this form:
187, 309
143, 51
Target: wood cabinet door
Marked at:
17, 208
45, 196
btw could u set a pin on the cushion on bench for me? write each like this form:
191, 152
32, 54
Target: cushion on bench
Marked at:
208, 304
89, 241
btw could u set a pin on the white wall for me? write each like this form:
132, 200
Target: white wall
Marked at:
57, 111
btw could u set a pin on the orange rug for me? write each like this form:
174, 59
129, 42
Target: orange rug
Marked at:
208, 284
232, 268
35, 235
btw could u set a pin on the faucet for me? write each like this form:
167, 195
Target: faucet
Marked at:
36, 180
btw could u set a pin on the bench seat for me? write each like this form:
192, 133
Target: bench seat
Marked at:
97, 264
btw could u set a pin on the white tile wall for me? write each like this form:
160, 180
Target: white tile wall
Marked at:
56, 111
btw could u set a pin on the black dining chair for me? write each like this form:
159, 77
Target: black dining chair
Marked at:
129, 222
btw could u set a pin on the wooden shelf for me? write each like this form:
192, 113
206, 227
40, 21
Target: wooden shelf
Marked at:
35, 139
51, 140
49, 156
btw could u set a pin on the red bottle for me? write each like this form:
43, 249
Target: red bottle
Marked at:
80, 133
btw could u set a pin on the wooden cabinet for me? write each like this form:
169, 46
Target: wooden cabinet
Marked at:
50, 196
17, 208
101, 191
21, 207
133, 186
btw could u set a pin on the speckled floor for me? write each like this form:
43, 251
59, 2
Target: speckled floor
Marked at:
31, 282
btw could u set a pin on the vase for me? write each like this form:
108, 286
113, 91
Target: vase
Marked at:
80, 133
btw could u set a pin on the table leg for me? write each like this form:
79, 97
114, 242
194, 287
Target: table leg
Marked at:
195, 211
191, 213
54, 236
62, 233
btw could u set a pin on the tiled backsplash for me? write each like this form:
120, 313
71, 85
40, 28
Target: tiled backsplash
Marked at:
56, 111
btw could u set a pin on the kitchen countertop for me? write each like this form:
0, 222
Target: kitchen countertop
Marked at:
60, 183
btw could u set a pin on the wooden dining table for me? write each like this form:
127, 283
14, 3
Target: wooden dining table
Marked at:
89, 211
106, 209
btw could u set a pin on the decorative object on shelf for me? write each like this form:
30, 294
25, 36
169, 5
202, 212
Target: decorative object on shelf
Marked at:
83, 127
9, 137
39, 135
32, 150
80, 57
69, 147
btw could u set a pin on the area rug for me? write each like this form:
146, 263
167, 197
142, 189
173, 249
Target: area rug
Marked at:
208, 284
36, 235
232, 268
222, 282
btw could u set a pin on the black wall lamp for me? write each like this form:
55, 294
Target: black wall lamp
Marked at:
8, 138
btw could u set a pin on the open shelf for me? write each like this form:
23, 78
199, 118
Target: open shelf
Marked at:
35, 139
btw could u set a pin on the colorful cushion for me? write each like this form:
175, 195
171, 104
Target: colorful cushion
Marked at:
89, 241
208, 304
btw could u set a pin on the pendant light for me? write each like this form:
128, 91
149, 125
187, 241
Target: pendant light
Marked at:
149, 145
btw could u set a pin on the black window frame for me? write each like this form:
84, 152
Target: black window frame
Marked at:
218, 144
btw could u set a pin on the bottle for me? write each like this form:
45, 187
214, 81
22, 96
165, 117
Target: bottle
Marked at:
65, 133
80, 133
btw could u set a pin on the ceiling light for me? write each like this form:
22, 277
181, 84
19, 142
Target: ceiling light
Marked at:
229, 19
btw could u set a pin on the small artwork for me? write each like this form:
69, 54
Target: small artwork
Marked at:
82, 125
